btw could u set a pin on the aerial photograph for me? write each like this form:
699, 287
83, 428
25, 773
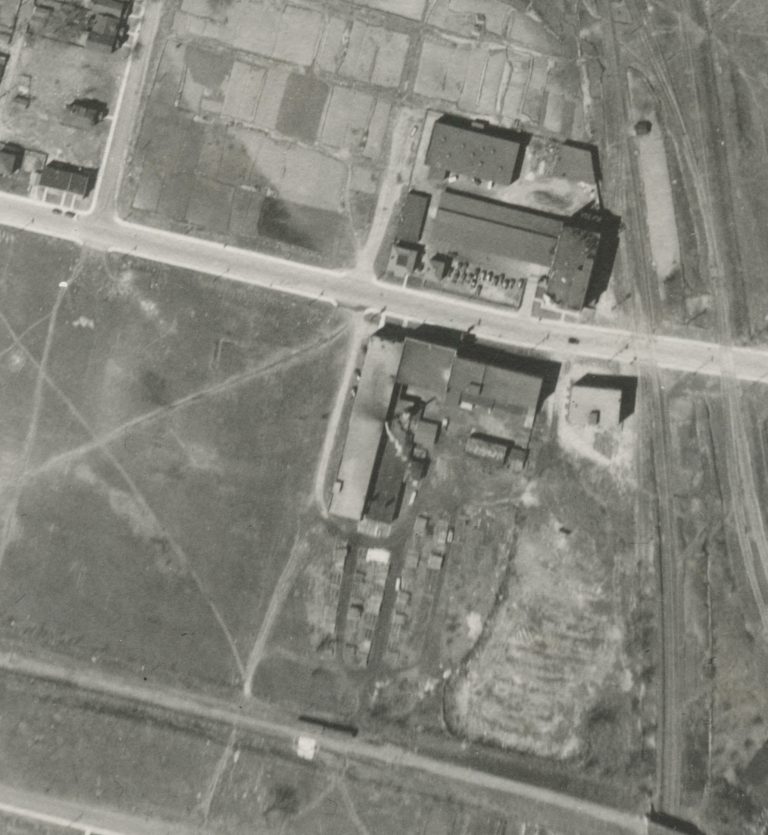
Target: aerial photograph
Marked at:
383, 417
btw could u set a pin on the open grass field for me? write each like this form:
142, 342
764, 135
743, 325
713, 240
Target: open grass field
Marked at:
99, 751
52, 742
156, 470
724, 698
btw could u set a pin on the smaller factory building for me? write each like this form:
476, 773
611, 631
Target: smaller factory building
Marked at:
601, 401
476, 150
464, 232
411, 391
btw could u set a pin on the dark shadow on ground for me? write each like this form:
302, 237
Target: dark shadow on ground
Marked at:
604, 260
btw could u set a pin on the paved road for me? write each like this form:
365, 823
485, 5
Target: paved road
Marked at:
355, 290
580, 816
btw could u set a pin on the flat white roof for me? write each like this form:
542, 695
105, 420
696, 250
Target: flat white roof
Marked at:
366, 423
380, 555
588, 399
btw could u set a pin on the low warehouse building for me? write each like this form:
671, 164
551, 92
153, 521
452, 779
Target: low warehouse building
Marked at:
476, 150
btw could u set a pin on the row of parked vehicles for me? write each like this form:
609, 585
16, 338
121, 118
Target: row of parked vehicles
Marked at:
462, 272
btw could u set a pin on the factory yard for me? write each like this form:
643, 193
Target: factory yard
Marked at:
555, 645
501, 594
271, 125
149, 497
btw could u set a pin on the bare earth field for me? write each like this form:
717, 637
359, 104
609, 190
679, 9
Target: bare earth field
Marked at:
557, 671
158, 436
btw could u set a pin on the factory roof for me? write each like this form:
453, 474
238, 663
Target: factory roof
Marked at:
426, 367
474, 150
468, 224
374, 395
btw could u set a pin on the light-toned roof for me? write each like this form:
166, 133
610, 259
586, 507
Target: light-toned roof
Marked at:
366, 424
426, 367
587, 400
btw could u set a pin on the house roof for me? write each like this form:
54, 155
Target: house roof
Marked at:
9, 161
469, 224
413, 216
482, 153
104, 31
426, 367
65, 177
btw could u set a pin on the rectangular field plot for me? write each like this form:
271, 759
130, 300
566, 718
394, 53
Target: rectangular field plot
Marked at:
313, 179
243, 91
348, 116
377, 130
332, 45
391, 50
413, 9
150, 187
495, 70
246, 208
459, 16
473, 82
300, 30
268, 110
209, 206
302, 107
293, 224
518, 81
442, 70
374, 55
206, 75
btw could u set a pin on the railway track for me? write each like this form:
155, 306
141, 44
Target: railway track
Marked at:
748, 517
653, 411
